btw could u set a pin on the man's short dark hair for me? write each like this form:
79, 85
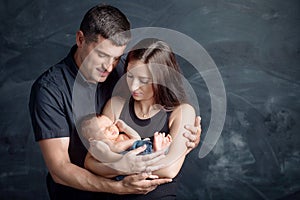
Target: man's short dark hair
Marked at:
107, 21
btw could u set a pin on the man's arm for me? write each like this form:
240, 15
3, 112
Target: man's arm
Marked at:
55, 152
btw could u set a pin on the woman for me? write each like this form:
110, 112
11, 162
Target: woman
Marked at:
157, 104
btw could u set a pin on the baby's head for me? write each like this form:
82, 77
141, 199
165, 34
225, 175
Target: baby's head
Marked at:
98, 127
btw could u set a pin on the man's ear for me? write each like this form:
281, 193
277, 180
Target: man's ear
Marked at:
79, 38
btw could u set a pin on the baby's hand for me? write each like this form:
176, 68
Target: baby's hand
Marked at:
121, 125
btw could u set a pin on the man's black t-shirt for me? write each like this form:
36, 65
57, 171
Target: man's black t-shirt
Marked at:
52, 113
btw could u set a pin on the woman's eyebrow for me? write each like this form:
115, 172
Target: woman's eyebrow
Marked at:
144, 77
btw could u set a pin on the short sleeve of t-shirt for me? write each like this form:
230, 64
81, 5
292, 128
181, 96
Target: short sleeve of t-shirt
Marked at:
47, 112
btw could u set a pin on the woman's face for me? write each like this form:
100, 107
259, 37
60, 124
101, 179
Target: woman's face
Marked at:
139, 81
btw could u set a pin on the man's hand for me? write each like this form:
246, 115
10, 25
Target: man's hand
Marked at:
193, 134
141, 183
132, 163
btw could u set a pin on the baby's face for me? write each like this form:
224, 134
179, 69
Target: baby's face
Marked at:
108, 129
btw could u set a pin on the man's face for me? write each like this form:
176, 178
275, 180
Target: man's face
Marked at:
98, 59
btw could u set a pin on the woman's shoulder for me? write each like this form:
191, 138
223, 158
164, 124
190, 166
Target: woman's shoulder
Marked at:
183, 109
117, 100
114, 106
184, 106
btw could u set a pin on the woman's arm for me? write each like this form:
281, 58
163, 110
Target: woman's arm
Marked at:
174, 159
94, 165
113, 110
100, 155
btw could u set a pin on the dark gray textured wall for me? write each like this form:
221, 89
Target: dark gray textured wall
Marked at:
256, 46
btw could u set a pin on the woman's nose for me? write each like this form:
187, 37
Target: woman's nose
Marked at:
135, 84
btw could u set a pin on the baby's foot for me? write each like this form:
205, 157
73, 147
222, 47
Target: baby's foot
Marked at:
157, 141
161, 141
166, 141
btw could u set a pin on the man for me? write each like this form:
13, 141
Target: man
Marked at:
100, 42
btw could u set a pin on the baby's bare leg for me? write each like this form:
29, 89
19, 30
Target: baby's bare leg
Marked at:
161, 141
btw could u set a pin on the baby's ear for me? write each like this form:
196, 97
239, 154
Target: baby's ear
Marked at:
92, 141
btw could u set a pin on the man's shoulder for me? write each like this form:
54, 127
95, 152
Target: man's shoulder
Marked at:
54, 76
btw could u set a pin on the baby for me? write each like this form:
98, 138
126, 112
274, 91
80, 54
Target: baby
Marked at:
120, 137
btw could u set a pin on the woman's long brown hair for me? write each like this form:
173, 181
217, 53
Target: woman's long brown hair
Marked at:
166, 73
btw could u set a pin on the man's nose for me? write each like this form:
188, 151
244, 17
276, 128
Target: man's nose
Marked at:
109, 64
